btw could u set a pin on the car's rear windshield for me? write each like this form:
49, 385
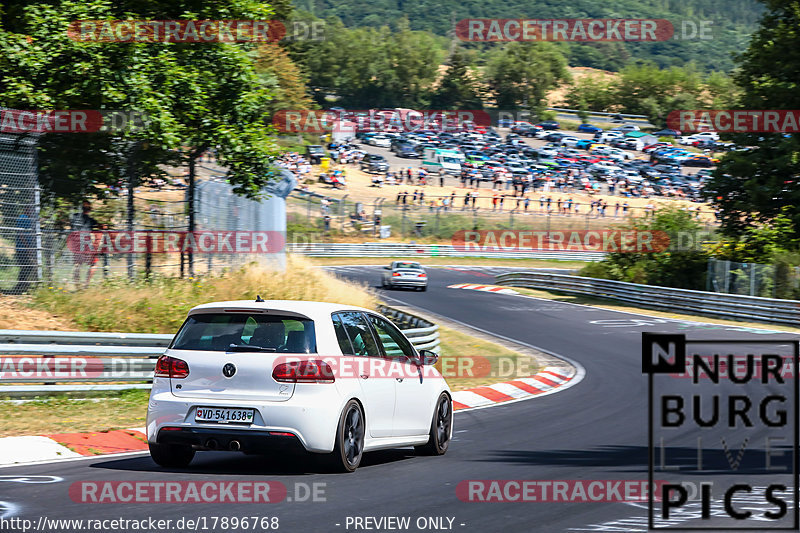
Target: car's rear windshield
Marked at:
407, 265
246, 332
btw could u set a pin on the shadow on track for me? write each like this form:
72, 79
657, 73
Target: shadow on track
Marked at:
206, 463
634, 459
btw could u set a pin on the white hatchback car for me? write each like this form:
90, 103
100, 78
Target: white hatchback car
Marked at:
256, 376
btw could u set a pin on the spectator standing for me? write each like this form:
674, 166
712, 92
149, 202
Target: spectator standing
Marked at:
82, 222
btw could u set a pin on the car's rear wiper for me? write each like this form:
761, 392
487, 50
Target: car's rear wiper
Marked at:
249, 348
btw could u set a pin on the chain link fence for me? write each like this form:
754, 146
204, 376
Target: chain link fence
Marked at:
38, 234
753, 279
21, 243
415, 219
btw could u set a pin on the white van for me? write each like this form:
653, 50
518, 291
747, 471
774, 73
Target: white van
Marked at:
447, 161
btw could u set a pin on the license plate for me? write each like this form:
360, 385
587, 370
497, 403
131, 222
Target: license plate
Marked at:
224, 415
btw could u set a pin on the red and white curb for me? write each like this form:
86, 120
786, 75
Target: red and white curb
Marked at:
545, 381
484, 288
70, 445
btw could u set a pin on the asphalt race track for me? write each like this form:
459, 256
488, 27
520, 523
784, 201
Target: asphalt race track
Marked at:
595, 430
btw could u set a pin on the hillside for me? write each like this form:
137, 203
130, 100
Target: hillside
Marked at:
732, 23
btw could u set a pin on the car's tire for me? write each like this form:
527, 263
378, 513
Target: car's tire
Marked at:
423, 289
171, 455
441, 428
349, 447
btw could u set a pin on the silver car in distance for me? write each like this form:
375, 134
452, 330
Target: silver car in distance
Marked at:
404, 274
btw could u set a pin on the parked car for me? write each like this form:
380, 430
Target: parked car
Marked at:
528, 130
406, 150
607, 136
265, 376
699, 161
667, 132
374, 164
627, 128
380, 140
554, 136
549, 125
590, 128
568, 141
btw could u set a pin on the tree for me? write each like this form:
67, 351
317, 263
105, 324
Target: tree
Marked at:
370, 67
671, 268
520, 74
755, 185
283, 77
193, 95
458, 87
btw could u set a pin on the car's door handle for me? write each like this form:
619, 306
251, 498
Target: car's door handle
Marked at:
399, 379
364, 376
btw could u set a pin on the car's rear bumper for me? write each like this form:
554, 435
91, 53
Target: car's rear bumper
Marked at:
247, 441
407, 283
311, 414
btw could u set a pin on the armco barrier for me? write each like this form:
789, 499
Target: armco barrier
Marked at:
399, 249
127, 359
701, 302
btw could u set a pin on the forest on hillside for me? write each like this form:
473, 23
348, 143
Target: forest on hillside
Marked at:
732, 23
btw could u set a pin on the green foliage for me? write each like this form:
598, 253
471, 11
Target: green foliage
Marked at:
763, 243
371, 67
458, 87
519, 75
753, 187
195, 95
646, 89
732, 22
683, 269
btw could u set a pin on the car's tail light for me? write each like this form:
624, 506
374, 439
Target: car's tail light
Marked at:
171, 367
312, 371
422, 275
395, 274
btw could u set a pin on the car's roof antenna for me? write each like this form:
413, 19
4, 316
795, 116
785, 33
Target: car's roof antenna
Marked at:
259, 298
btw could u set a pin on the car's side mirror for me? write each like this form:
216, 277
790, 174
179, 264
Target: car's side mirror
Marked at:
387, 268
427, 357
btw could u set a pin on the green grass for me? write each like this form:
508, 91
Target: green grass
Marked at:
122, 410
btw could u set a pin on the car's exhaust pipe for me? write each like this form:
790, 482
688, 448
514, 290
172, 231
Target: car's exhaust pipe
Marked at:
212, 444
234, 446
